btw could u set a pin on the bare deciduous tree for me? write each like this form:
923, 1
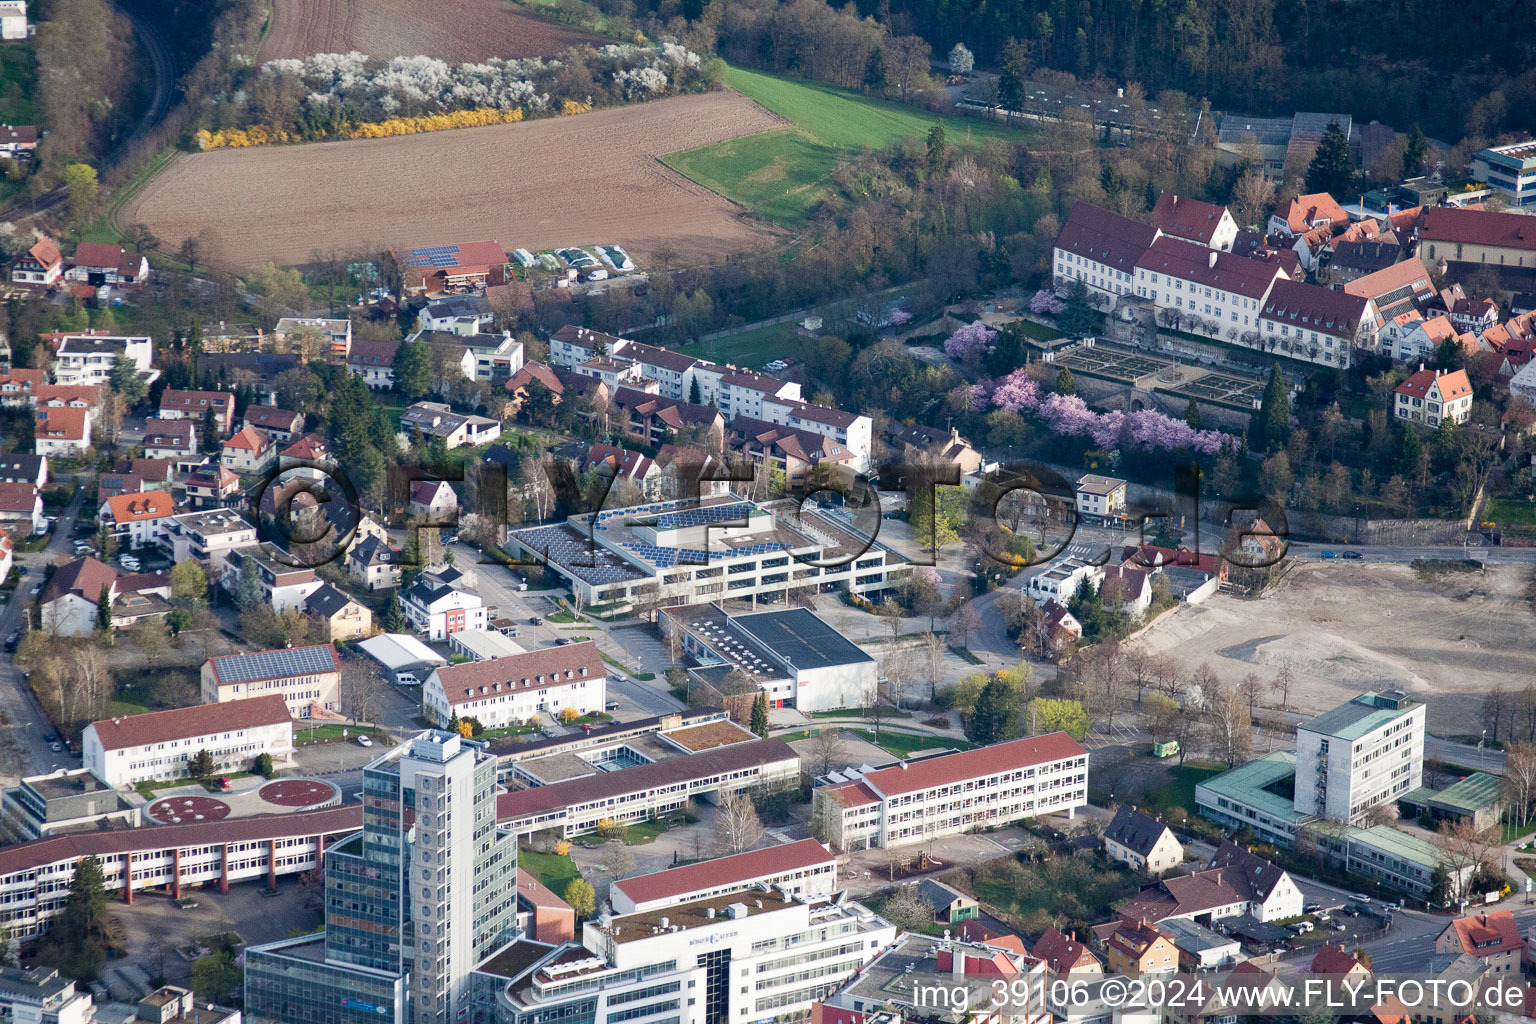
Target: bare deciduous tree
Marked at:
1519, 786
1285, 678
737, 826
1227, 718
618, 860
828, 751
1463, 848
906, 910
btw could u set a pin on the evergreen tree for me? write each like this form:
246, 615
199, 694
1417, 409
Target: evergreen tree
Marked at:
1065, 385
76, 941
938, 152
394, 618
248, 592
413, 370
1416, 153
1192, 414
1332, 169
874, 71
1271, 428
760, 715
694, 395
127, 382
104, 608
201, 766
210, 431
262, 766
1077, 318
996, 717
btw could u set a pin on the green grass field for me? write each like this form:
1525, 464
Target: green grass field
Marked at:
781, 174
1510, 512
905, 744
555, 871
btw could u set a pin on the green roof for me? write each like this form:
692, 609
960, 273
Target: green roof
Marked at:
1398, 843
1364, 714
1247, 785
1471, 794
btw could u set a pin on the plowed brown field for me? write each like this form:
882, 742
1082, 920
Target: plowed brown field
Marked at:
580, 180
453, 30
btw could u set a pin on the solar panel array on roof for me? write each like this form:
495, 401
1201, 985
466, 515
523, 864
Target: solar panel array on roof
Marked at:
435, 256
566, 547
242, 668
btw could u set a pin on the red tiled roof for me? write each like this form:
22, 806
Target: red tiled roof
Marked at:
711, 874
1314, 308
308, 446
18, 497
625, 464
248, 439
196, 401
67, 423
1477, 227
185, 723
45, 394
129, 508
1060, 952
84, 577
1335, 960
1301, 213
423, 491
1452, 385
99, 255
1104, 236
1187, 218
73, 846
1409, 273
517, 673
46, 252
1209, 268
531, 372
910, 777
1488, 933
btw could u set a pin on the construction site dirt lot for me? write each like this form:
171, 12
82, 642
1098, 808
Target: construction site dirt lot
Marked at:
457, 31
587, 179
1446, 639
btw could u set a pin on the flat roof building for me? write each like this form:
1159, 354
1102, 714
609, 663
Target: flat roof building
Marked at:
162, 744
1362, 753
67, 800
912, 801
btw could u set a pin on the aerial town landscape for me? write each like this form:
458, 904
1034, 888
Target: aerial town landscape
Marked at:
767, 512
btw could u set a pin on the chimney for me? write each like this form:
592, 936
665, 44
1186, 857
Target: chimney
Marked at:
1210, 261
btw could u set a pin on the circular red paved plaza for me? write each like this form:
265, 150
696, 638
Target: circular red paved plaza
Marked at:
182, 810
297, 792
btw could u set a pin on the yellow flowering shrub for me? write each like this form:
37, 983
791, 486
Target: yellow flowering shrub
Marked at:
569, 107
261, 135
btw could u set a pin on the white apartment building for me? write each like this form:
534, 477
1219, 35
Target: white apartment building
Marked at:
305, 677
1100, 496
697, 551
804, 869
336, 334
1429, 396
208, 536
158, 745
513, 690
1060, 581
1100, 249
915, 801
41, 995
1319, 325
1360, 754
134, 520
88, 359
437, 605
1217, 294
733, 391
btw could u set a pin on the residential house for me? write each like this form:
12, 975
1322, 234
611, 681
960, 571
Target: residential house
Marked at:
23, 468
98, 264
211, 486
334, 335
18, 142
1100, 497
1335, 961
655, 420
161, 744
1238, 882
458, 430
283, 586
307, 678
156, 473
1396, 289
342, 617
1062, 628
1305, 213
1194, 221
1200, 948
42, 265
40, 994
69, 599
1061, 579
792, 451
209, 537
1523, 383
1414, 337
949, 905
496, 357
1099, 248
690, 473
1127, 589
1429, 396
1353, 259
7, 554
89, 358
281, 425
437, 604
511, 690
18, 385
169, 439
518, 384
133, 520
248, 452
1271, 891
306, 448
945, 447
1491, 936
1064, 956
371, 562
433, 501
62, 432
464, 315
1138, 948
1142, 841
374, 361
178, 404
623, 465
21, 508
86, 397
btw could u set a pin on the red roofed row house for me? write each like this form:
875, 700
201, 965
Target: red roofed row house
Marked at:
915, 801
508, 691
805, 869
1207, 290
98, 264
158, 745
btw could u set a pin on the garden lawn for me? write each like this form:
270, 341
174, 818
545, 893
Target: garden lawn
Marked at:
1180, 790
782, 174
1065, 892
554, 870
1510, 512
905, 744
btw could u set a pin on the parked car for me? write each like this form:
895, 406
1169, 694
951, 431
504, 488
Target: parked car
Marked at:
1313, 908
12, 640
1359, 897
224, 783
56, 747
612, 705
364, 741
1353, 555
1330, 554
537, 620
562, 641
